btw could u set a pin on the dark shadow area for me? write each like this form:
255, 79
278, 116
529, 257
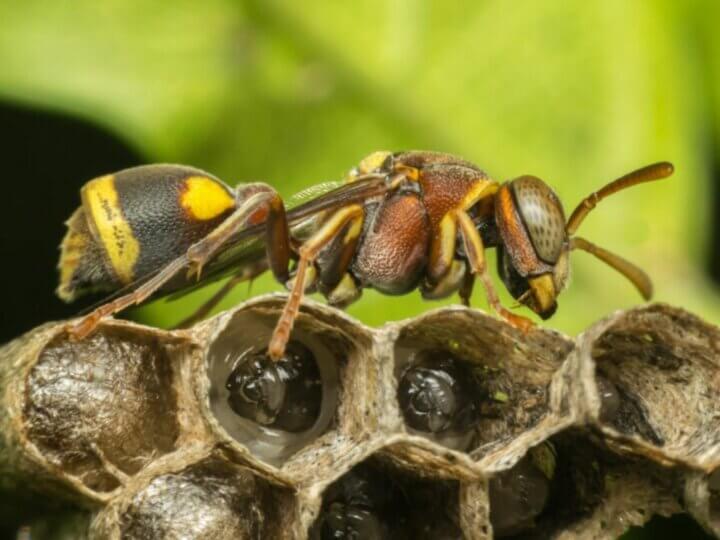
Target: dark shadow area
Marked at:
46, 158
663, 528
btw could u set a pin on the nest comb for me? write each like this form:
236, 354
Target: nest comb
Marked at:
569, 438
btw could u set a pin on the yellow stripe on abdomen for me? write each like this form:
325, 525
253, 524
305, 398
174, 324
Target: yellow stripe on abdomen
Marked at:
100, 199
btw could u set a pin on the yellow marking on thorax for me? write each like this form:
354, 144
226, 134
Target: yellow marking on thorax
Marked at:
204, 198
479, 190
100, 198
368, 164
373, 162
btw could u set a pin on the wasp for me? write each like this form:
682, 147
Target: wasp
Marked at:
398, 222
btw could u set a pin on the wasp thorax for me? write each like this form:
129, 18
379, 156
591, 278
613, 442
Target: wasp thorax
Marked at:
375, 162
284, 395
434, 395
542, 213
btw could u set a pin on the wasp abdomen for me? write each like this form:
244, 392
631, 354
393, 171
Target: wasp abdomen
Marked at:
135, 221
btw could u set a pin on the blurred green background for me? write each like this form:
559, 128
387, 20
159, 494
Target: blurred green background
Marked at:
294, 93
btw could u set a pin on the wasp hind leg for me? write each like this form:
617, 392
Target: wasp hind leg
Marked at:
212, 302
266, 202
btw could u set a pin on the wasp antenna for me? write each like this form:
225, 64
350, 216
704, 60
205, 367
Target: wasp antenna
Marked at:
636, 275
656, 171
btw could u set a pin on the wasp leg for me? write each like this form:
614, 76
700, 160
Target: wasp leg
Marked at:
466, 288
266, 203
269, 206
475, 251
345, 292
202, 311
310, 278
308, 252
442, 249
88, 323
448, 284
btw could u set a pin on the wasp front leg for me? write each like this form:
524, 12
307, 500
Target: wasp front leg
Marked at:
349, 216
475, 251
442, 273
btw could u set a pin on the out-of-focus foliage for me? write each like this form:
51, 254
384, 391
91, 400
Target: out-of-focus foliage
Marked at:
297, 92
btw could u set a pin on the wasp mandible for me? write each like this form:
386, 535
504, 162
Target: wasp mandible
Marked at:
398, 222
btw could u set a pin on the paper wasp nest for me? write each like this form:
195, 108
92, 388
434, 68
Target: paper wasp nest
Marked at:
449, 425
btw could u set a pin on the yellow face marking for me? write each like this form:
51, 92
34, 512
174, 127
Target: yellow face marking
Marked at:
543, 289
204, 198
100, 199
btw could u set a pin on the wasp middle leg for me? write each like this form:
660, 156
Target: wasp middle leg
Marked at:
308, 252
264, 206
245, 275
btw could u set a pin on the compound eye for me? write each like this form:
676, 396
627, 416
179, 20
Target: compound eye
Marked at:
543, 216
285, 395
431, 398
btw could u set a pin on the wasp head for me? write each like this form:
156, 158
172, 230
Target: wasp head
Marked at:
532, 258
536, 238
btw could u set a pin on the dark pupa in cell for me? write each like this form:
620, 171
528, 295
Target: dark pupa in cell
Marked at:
609, 398
284, 395
436, 394
375, 501
273, 409
352, 509
519, 495
346, 521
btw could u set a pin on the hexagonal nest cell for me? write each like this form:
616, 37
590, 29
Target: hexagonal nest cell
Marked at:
106, 402
204, 497
276, 409
572, 482
484, 382
664, 364
449, 425
376, 499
